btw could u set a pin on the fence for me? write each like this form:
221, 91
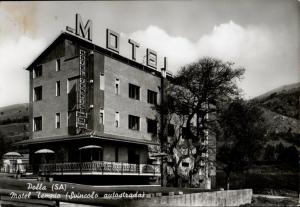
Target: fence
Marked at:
95, 166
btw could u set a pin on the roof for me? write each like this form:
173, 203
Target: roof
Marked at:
97, 48
95, 135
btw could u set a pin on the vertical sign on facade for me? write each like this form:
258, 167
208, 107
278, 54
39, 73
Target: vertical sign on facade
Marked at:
81, 115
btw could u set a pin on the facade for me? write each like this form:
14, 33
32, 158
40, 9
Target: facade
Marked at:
93, 110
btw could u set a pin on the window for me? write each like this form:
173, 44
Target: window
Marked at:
57, 88
134, 91
38, 93
37, 71
37, 123
117, 86
117, 119
101, 116
102, 81
133, 156
171, 130
152, 97
57, 120
151, 126
57, 66
133, 122
185, 164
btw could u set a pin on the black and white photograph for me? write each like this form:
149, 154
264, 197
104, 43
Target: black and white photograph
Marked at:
150, 103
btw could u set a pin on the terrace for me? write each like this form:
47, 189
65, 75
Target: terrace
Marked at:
94, 168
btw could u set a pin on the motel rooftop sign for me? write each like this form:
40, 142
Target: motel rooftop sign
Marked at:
85, 31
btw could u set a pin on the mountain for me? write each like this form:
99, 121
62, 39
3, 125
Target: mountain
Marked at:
14, 125
281, 112
281, 89
283, 100
17, 113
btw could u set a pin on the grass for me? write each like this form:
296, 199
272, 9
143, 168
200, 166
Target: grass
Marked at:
262, 201
263, 183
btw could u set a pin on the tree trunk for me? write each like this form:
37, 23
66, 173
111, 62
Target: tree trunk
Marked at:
176, 177
165, 174
191, 178
228, 182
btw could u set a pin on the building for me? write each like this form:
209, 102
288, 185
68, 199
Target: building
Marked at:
92, 110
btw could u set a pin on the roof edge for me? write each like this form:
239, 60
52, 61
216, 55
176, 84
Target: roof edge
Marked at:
100, 49
44, 51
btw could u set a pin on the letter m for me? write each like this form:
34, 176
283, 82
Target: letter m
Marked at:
83, 31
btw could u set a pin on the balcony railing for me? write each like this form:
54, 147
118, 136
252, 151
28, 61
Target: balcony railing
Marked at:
98, 167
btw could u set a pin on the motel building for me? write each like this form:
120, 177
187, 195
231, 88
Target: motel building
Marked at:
91, 111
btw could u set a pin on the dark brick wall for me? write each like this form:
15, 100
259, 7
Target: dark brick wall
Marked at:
98, 94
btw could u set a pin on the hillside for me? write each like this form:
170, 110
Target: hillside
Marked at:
14, 125
281, 112
17, 113
281, 89
283, 100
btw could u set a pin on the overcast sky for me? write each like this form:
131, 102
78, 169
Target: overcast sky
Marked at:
260, 35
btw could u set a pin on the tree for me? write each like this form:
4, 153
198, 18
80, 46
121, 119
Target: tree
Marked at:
270, 154
289, 157
243, 134
198, 90
2, 144
279, 151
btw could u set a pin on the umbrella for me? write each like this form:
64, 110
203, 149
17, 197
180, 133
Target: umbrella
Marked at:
90, 147
12, 154
44, 151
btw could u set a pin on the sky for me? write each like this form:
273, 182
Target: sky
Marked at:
260, 35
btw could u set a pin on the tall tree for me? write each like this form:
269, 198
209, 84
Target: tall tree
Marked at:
244, 133
198, 90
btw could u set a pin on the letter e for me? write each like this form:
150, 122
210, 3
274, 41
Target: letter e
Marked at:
151, 58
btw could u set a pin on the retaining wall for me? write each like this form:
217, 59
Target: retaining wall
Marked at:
216, 198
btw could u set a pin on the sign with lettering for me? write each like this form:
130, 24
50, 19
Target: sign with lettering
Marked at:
113, 41
84, 31
81, 115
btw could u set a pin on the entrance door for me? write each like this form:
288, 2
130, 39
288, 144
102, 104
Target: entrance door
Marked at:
133, 157
89, 155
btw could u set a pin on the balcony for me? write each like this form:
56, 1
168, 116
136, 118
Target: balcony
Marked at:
95, 168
